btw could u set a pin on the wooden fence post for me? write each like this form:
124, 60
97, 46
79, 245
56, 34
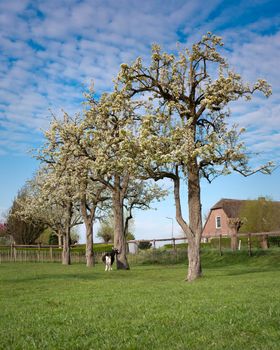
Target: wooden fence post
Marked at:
11, 252
220, 245
15, 253
249, 245
175, 249
51, 254
174, 244
39, 250
267, 239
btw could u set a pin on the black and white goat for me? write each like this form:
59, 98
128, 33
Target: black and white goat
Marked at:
109, 258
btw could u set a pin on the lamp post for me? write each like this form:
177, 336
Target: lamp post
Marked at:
172, 223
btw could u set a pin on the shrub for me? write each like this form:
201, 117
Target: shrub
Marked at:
144, 245
97, 248
274, 241
177, 246
53, 239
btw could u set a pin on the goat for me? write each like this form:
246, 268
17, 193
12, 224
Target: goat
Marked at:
109, 258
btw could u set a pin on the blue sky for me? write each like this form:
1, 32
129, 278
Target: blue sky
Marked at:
51, 50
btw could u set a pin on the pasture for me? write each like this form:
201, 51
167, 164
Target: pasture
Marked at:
236, 305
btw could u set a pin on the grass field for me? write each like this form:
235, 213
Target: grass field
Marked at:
236, 305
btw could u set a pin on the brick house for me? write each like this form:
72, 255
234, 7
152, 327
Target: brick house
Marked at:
224, 219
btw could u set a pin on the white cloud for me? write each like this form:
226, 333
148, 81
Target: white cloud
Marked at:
51, 48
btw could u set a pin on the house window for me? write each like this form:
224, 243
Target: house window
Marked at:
218, 222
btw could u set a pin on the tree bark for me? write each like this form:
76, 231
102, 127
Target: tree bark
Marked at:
195, 223
234, 224
89, 244
193, 231
119, 238
264, 242
66, 257
194, 268
60, 238
88, 220
234, 241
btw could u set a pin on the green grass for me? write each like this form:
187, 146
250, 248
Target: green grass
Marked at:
236, 305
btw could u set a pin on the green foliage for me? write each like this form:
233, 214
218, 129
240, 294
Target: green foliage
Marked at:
130, 236
274, 241
74, 236
226, 243
144, 245
53, 239
97, 248
49, 237
177, 246
261, 215
156, 309
106, 232
45, 236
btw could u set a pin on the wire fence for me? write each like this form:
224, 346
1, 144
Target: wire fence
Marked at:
172, 252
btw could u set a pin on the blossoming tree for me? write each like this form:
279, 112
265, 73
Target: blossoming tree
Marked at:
109, 125
184, 133
50, 201
63, 150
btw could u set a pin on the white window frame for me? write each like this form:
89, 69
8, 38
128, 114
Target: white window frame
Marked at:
218, 220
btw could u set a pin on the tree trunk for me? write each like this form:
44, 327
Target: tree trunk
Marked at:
193, 231
234, 241
66, 258
88, 220
194, 268
264, 242
60, 237
195, 223
234, 224
119, 238
89, 244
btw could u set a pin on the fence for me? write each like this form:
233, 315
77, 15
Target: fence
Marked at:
250, 240
40, 253
171, 253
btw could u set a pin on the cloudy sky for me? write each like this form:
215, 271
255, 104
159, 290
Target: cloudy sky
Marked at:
51, 51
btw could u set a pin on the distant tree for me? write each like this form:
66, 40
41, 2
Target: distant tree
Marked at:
45, 236
2, 228
144, 245
130, 236
53, 239
49, 199
261, 215
106, 232
4, 237
23, 230
74, 236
